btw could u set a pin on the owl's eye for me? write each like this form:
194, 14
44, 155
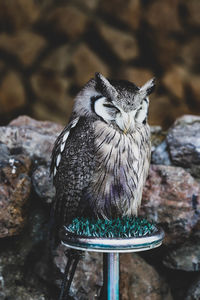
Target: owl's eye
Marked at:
111, 106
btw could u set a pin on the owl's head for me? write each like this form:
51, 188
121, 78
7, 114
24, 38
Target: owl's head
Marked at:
117, 102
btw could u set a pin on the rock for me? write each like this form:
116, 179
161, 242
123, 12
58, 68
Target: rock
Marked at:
89, 4
166, 49
34, 138
68, 20
15, 188
140, 281
193, 13
158, 15
183, 141
25, 44
157, 136
137, 75
123, 44
193, 89
174, 80
88, 276
193, 292
43, 184
86, 63
130, 14
18, 259
189, 53
168, 199
42, 112
58, 60
160, 111
185, 258
18, 14
12, 95
51, 89
160, 155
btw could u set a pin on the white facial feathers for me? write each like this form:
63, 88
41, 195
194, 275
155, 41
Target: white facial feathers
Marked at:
105, 110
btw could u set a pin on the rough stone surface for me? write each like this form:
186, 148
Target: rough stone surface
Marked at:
11, 98
15, 188
68, 20
124, 45
86, 63
43, 184
167, 199
30, 136
174, 81
137, 75
141, 281
43, 112
160, 155
194, 290
157, 136
193, 15
189, 53
193, 88
129, 14
159, 14
18, 14
185, 258
166, 48
88, 277
26, 45
160, 110
51, 89
183, 141
58, 60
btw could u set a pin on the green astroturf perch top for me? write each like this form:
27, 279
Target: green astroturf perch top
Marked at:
125, 227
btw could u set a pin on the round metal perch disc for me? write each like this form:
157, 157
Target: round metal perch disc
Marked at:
114, 244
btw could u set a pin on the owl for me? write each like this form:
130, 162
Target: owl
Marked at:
101, 159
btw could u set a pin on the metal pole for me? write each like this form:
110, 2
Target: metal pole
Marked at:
113, 276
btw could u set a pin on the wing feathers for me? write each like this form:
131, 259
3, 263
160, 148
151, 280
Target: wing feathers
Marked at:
60, 146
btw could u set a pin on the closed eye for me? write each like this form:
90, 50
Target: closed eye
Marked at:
111, 106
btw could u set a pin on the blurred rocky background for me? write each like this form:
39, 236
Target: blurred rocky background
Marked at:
50, 49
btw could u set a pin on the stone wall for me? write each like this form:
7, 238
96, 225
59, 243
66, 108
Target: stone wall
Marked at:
49, 49
171, 198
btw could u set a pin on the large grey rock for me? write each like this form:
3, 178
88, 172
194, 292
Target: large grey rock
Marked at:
161, 156
88, 277
34, 138
43, 184
169, 199
139, 280
185, 258
183, 141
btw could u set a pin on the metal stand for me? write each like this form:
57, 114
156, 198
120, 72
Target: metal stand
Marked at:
111, 247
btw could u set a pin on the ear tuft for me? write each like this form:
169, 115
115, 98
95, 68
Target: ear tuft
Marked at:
104, 86
148, 87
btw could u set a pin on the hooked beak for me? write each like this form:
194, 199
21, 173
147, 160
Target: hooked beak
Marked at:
126, 121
